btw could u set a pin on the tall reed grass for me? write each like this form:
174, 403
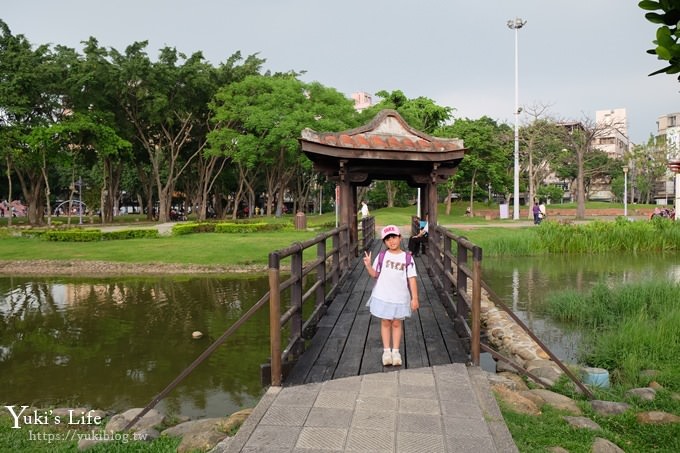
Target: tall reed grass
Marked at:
658, 235
627, 329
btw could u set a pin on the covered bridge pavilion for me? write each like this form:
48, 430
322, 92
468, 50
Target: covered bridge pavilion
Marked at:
386, 148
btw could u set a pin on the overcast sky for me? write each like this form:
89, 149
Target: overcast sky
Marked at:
575, 56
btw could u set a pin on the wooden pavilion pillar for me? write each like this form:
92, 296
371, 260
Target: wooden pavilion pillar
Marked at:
347, 211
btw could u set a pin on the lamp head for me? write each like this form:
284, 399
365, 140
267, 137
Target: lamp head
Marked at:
517, 23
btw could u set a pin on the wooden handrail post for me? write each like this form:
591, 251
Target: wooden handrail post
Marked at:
296, 299
335, 277
476, 304
448, 284
320, 297
461, 280
275, 318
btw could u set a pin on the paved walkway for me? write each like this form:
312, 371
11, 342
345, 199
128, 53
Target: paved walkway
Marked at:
445, 408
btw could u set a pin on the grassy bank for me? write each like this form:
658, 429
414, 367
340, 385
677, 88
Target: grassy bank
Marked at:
660, 235
63, 438
204, 249
627, 329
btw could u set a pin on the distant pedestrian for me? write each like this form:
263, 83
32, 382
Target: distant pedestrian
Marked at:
364, 210
395, 294
418, 241
536, 211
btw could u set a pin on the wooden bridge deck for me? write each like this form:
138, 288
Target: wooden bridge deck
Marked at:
347, 341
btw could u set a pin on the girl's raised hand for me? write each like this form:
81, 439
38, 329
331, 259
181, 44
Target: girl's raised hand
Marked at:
367, 258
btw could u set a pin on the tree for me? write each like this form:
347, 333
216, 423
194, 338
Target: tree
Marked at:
259, 121
648, 164
163, 101
666, 43
488, 160
542, 142
582, 160
30, 98
420, 113
92, 93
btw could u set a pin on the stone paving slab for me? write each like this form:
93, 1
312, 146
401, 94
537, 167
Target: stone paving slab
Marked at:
446, 408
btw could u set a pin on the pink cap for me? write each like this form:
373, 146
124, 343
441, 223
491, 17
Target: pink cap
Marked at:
389, 229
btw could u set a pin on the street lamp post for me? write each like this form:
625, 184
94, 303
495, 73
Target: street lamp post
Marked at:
516, 24
625, 191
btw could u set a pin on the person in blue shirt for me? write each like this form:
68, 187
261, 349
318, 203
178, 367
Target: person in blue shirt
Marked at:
414, 242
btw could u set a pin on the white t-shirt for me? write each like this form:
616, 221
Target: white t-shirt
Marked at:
392, 284
364, 210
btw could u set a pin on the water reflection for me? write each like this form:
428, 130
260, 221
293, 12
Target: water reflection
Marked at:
524, 283
116, 343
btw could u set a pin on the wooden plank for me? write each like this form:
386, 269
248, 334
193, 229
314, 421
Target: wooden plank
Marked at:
452, 341
349, 363
348, 340
298, 375
436, 350
415, 353
372, 358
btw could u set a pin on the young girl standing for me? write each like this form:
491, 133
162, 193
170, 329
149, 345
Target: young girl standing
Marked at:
395, 293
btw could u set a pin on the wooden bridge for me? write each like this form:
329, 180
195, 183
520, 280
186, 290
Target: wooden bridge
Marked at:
347, 339
331, 333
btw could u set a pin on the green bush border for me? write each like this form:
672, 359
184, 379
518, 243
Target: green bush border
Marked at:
91, 235
224, 227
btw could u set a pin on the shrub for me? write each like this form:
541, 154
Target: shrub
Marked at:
246, 227
75, 235
193, 227
137, 233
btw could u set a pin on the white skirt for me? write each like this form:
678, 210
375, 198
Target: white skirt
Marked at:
388, 310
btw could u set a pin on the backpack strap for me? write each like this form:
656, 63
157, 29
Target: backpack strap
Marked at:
381, 258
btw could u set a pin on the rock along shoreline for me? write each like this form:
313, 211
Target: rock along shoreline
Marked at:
106, 268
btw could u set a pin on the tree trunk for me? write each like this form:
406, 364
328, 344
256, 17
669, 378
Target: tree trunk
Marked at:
31, 188
391, 193
580, 187
164, 204
9, 193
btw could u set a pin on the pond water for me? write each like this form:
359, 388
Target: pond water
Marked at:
115, 343
524, 284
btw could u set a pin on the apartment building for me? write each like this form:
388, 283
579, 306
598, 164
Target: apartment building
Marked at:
612, 136
362, 100
668, 133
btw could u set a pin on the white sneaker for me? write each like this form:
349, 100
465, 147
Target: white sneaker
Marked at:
387, 358
396, 358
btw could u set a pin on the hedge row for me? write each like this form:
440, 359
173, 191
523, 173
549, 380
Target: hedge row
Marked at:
92, 235
78, 235
214, 227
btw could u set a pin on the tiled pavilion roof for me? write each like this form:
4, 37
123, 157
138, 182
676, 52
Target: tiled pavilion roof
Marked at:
412, 155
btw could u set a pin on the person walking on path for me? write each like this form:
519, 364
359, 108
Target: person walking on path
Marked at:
364, 210
395, 294
542, 213
536, 211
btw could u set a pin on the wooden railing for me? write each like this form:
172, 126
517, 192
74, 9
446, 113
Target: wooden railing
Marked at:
367, 233
329, 268
452, 274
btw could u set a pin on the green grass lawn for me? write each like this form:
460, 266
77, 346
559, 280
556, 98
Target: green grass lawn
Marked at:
204, 249
242, 249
